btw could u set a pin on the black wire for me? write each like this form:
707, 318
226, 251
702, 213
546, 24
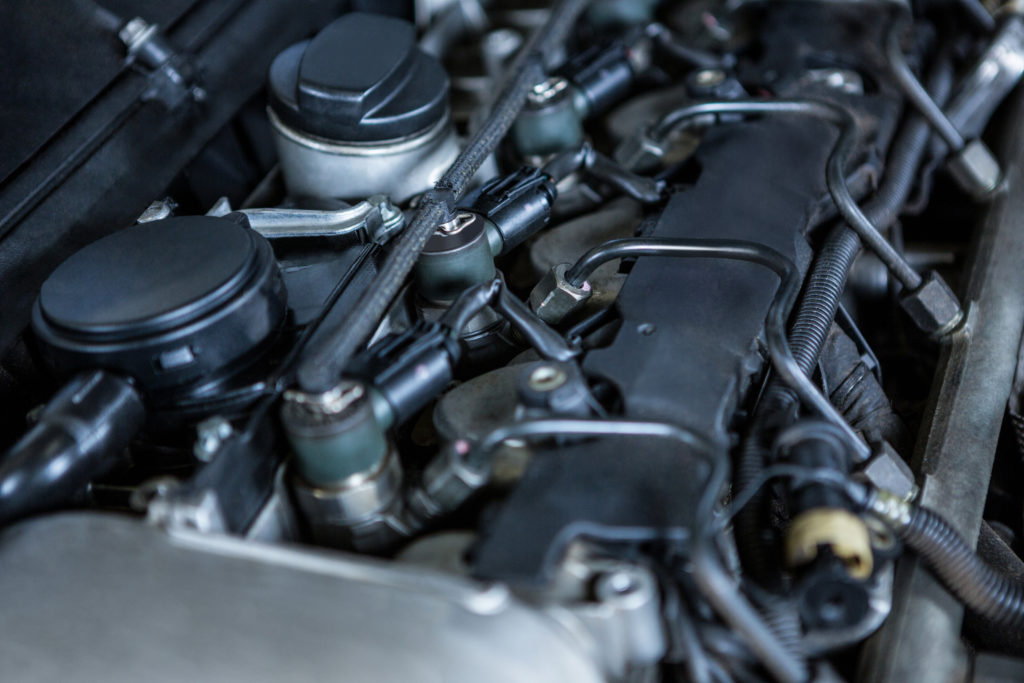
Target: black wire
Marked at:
284, 372
471, 303
597, 166
699, 59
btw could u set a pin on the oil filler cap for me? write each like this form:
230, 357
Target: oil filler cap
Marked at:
361, 79
170, 302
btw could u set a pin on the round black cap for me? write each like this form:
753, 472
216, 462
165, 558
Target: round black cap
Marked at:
361, 79
148, 278
167, 302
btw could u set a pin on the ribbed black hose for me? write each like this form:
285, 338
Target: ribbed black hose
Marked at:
855, 390
322, 366
981, 588
817, 309
783, 620
827, 279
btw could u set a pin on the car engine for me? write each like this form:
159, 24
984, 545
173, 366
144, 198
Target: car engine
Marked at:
510, 340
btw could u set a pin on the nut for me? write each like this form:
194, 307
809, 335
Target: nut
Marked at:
547, 378
887, 470
554, 299
933, 306
639, 152
709, 77
211, 434
975, 170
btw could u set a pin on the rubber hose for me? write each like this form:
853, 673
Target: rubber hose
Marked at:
80, 436
982, 589
857, 393
985, 634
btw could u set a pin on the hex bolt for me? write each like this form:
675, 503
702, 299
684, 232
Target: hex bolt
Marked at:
621, 583
624, 583
554, 298
547, 378
210, 436
708, 78
933, 306
975, 169
135, 32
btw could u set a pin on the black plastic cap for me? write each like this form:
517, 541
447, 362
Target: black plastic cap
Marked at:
361, 79
168, 303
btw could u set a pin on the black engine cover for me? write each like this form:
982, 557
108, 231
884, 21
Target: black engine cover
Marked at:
689, 342
686, 353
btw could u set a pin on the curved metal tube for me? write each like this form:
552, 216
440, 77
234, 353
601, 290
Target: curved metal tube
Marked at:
587, 159
835, 171
721, 591
711, 453
549, 344
916, 93
775, 327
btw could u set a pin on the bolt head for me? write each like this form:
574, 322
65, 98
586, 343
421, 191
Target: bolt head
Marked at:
888, 471
976, 170
547, 378
933, 306
708, 78
210, 436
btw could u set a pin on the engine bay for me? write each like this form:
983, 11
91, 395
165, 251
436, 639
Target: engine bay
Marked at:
460, 340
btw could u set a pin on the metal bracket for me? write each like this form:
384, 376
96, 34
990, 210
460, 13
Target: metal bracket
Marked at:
173, 77
377, 217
